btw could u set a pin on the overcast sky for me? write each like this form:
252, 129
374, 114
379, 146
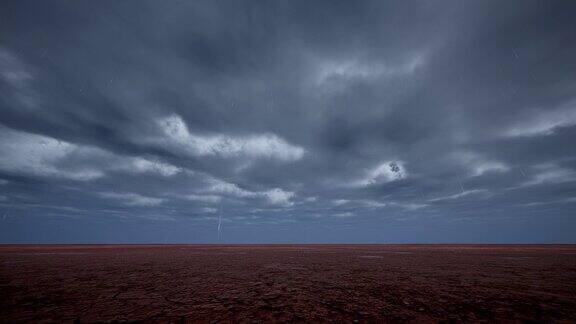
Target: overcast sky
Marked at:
287, 121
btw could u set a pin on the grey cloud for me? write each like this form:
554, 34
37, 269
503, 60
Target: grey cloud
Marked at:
402, 116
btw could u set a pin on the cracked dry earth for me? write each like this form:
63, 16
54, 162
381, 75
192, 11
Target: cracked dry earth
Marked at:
283, 283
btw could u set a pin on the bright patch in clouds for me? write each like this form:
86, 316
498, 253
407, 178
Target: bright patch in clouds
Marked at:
144, 165
409, 206
386, 172
479, 165
372, 203
344, 215
545, 122
226, 188
340, 202
253, 146
46, 156
133, 199
459, 195
274, 196
278, 196
204, 198
40, 155
550, 173
353, 69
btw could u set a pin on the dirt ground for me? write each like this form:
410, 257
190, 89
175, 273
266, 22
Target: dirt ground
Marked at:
287, 283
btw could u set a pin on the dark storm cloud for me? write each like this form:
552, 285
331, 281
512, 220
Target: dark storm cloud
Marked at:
294, 120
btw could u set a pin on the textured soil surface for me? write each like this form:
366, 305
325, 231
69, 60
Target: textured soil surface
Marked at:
283, 283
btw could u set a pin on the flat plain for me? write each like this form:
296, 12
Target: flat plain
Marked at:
287, 283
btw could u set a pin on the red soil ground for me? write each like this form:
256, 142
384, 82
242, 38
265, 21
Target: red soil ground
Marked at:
281, 283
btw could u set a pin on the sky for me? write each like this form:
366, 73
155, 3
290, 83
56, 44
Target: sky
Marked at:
211, 121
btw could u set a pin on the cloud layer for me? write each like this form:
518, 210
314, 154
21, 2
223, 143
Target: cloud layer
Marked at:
367, 121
